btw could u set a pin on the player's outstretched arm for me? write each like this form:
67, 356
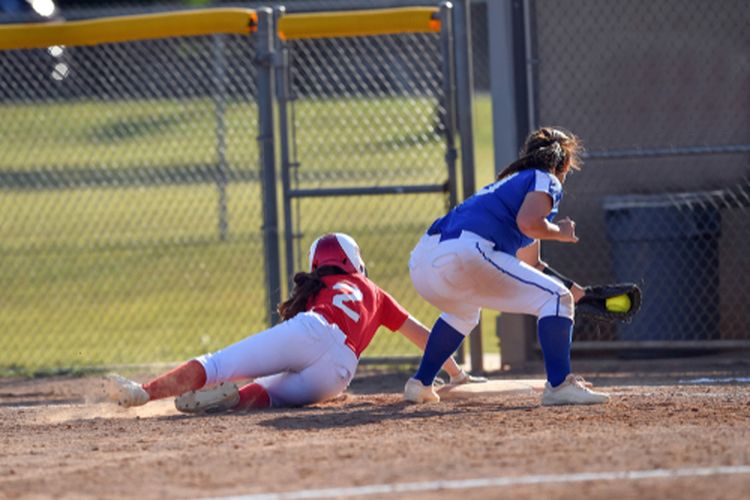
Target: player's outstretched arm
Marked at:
417, 334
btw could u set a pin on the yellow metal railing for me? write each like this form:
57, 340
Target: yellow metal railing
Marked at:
214, 21
359, 23
128, 28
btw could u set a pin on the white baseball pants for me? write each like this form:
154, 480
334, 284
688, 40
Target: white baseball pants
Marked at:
463, 275
301, 361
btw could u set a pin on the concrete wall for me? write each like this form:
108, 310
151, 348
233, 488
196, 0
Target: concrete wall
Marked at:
650, 74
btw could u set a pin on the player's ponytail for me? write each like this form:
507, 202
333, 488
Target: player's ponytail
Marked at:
548, 148
306, 286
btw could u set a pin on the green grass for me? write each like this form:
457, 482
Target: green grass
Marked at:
121, 134
86, 282
107, 276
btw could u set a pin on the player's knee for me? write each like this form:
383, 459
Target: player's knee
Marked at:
558, 304
567, 304
463, 323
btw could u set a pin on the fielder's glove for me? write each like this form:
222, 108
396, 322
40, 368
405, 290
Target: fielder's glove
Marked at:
610, 303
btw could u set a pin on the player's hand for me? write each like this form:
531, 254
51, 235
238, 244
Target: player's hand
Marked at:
567, 231
465, 378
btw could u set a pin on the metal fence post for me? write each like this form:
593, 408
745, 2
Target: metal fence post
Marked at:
465, 90
219, 97
449, 89
448, 50
502, 82
264, 60
282, 98
524, 16
505, 24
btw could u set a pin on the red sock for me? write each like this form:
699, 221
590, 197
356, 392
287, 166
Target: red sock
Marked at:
189, 376
253, 396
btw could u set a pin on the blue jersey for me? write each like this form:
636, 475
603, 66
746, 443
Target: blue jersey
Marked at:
491, 212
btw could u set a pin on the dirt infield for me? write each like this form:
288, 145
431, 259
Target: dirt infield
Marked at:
693, 426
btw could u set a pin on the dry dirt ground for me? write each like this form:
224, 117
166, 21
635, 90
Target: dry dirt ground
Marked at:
680, 428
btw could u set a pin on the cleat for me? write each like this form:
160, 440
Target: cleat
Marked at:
573, 391
416, 392
465, 378
125, 392
222, 397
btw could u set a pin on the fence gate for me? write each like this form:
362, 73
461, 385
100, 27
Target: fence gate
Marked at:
367, 140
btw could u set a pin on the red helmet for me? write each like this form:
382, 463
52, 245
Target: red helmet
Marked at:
336, 249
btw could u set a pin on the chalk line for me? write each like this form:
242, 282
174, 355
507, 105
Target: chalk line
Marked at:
488, 482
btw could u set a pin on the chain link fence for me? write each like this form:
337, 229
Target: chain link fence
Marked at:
132, 219
130, 227
658, 90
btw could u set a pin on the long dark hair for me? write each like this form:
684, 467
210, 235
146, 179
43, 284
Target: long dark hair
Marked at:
306, 285
550, 148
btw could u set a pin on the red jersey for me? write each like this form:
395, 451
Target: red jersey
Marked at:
357, 306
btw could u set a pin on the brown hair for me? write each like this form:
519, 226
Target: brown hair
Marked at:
306, 285
550, 148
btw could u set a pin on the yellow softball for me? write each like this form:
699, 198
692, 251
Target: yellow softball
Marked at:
618, 303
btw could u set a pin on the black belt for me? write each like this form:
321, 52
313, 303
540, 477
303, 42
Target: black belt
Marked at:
447, 235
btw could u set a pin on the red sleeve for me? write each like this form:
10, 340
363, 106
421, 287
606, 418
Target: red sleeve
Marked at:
392, 314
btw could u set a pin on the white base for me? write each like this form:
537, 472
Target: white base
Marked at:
492, 388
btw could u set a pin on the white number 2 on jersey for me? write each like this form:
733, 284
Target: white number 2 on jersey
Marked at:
351, 294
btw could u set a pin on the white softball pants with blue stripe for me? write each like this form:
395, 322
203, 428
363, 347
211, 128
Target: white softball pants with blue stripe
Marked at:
463, 275
301, 361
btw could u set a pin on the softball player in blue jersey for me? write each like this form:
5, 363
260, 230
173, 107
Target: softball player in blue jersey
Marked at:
485, 254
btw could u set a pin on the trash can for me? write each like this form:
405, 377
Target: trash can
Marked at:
668, 243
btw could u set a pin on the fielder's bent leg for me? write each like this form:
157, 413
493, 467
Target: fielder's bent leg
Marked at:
441, 344
555, 336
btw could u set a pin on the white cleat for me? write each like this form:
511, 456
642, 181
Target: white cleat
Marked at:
416, 392
222, 397
464, 378
125, 392
573, 391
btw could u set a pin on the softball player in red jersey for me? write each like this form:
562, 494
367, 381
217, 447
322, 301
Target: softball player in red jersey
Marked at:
329, 320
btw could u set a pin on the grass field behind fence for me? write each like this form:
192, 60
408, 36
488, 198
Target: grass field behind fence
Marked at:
119, 134
107, 275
